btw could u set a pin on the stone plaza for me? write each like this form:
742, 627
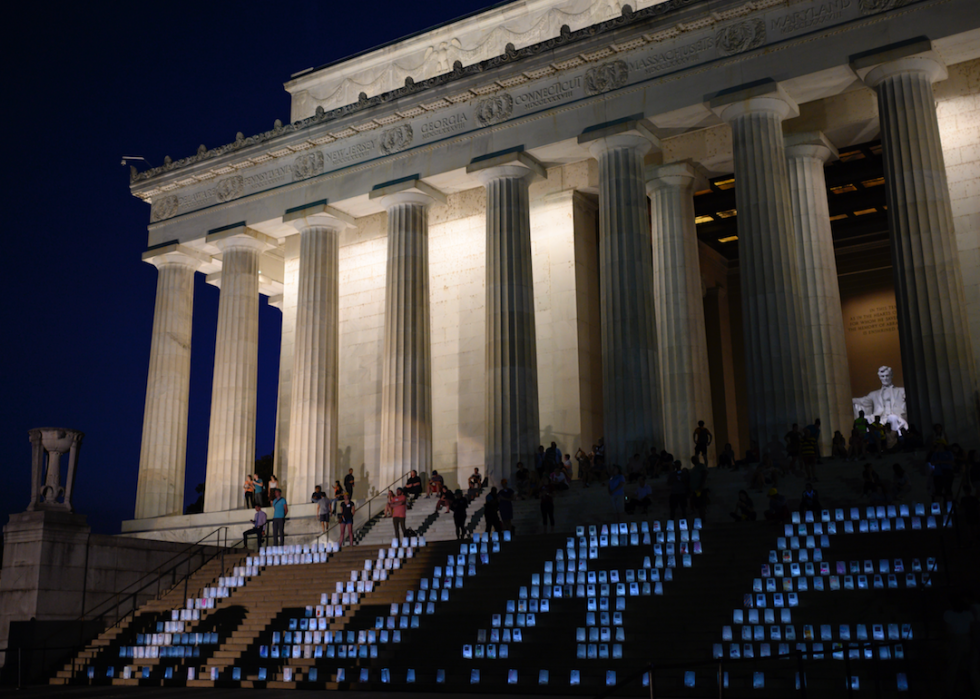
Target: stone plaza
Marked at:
519, 228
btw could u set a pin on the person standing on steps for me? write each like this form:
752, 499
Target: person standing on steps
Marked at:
346, 517
547, 506
323, 505
702, 438
458, 508
349, 483
258, 486
279, 511
398, 510
491, 511
249, 492
506, 499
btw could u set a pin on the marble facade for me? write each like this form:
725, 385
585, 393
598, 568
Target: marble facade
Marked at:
459, 233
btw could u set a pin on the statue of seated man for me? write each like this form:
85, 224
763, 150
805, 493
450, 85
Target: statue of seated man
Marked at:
887, 403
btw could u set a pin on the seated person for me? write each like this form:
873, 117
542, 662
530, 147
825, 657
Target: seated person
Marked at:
258, 526
839, 446
435, 484
641, 498
445, 500
809, 500
870, 479
318, 494
474, 483
558, 479
665, 464
744, 509
727, 458
413, 486
778, 510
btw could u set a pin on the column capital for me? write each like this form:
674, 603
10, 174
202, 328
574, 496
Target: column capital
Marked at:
633, 133
810, 144
238, 235
318, 215
510, 163
680, 174
913, 56
761, 96
408, 190
175, 254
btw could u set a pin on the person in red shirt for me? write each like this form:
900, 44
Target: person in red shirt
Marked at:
397, 503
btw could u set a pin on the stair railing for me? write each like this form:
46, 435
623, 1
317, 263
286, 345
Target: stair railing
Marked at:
370, 503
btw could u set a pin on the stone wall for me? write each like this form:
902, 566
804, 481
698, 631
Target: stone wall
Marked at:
958, 109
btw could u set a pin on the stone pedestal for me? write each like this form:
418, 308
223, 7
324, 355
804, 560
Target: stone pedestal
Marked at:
823, 324
44, 564
681, 344
160, 490
313, 415
231, 439
631, 419
512, 423
406, 390
768, 260
937, 356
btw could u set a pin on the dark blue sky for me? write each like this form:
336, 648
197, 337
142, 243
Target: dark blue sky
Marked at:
84, 85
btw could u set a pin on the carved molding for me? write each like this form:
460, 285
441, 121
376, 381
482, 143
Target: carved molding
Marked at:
396, 139
164, 208
307, 165
230, 188
743, 36
605, 77
870, 7
494, 109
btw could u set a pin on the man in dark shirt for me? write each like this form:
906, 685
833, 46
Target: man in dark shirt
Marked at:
349, 483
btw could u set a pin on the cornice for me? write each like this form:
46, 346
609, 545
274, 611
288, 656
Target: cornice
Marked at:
285, 140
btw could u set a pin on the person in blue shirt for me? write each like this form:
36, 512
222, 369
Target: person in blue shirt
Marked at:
617, 490
279, 511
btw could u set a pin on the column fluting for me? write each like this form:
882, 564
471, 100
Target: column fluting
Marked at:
768, 266
406, 391
937, 358
160, 489
681, 339
512, 421
631, 419
825, 351
231, 438
313, 412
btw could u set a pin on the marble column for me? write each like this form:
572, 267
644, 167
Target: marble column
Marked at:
823, 323
231, 438
768, 260
937, 355
313, 412
512, 422
286, 303
681, 344
631, 418
406, 390
160, 489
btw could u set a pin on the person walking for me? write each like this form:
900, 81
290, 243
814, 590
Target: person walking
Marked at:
491, 511
458, 507
397, 501
280, 508
617, 492
547, 505
346, 519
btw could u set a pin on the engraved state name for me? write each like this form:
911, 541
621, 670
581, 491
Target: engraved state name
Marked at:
443, 125
555, 92
267, 178
350, 153
810, 17
671, 58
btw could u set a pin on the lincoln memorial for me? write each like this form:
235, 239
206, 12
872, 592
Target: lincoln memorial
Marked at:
566, 220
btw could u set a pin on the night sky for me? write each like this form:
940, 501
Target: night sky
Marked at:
85, 85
